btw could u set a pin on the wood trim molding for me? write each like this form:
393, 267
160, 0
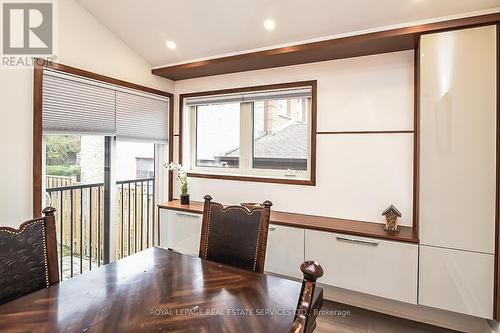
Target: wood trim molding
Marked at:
98, 77
170, 190
392, 40
321, 223
253, 179
39, 65
496, 297
314, 129
309, 182
369, 132
416, 136
37, 139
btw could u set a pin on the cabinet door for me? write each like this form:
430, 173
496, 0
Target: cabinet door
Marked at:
458, 139
180, 231
285, 251
372, 266
457, 281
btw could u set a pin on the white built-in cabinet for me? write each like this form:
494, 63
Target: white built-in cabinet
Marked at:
372, 266
181, 232
458, 170
456, 280
285, 250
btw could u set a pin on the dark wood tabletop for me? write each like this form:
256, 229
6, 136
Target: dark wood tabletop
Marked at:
158, 290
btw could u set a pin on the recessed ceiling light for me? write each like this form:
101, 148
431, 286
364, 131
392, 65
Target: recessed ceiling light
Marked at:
171, 45
269, 24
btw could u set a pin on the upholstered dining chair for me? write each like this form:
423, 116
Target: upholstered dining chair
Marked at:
310, 299
28, 257
235, 235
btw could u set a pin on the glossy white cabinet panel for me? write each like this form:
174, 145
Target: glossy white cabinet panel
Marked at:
361, 175
458, 139
180, 231
456, 280
285, 250
372, 93
377, 267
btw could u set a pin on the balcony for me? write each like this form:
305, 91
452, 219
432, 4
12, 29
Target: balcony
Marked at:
87, 235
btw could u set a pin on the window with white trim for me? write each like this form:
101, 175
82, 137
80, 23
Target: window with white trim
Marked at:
256, 133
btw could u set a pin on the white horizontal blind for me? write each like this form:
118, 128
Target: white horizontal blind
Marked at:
75, 106
277, 94
141, 117
300, 92
214, 99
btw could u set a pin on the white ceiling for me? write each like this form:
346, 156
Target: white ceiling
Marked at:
206, 28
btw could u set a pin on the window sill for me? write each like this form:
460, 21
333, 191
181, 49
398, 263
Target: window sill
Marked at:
256, 179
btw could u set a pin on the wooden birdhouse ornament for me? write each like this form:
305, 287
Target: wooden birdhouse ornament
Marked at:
392, 215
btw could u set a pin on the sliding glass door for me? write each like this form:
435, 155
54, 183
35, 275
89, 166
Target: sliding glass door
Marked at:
74, 185
93, 229
134, 196
103, 146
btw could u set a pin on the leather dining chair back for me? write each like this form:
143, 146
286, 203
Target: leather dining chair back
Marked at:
235, 235
28, 257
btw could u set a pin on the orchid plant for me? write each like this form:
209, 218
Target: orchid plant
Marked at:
181, 175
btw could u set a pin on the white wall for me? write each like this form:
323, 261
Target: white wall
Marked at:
82, 42
358, 175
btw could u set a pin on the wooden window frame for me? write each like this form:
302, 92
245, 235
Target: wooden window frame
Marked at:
311, 181
39, 65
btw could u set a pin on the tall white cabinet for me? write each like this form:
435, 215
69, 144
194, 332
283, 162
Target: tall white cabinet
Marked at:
458, 170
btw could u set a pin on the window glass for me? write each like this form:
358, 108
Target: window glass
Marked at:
134, 160
218, 135
252, 132
281, 134
74, 184
135, 191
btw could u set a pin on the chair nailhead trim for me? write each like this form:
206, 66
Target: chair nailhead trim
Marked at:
45, 259
208, 230
257, 247
23, 228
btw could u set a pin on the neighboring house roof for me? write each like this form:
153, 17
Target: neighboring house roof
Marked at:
290, 142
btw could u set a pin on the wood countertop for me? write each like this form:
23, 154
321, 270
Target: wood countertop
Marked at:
321, 223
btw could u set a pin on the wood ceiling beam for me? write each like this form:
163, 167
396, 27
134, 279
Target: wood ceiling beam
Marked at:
393, 40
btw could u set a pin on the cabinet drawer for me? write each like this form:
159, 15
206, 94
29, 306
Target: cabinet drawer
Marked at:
458, 281
372, 266
180, 231
285, 251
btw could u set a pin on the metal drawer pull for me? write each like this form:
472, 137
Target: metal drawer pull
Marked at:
272, 228
187, 215
357, 241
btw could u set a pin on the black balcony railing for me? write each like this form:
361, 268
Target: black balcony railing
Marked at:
79, 226
135, 216
81, 223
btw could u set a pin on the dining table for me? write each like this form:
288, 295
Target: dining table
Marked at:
159, 290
